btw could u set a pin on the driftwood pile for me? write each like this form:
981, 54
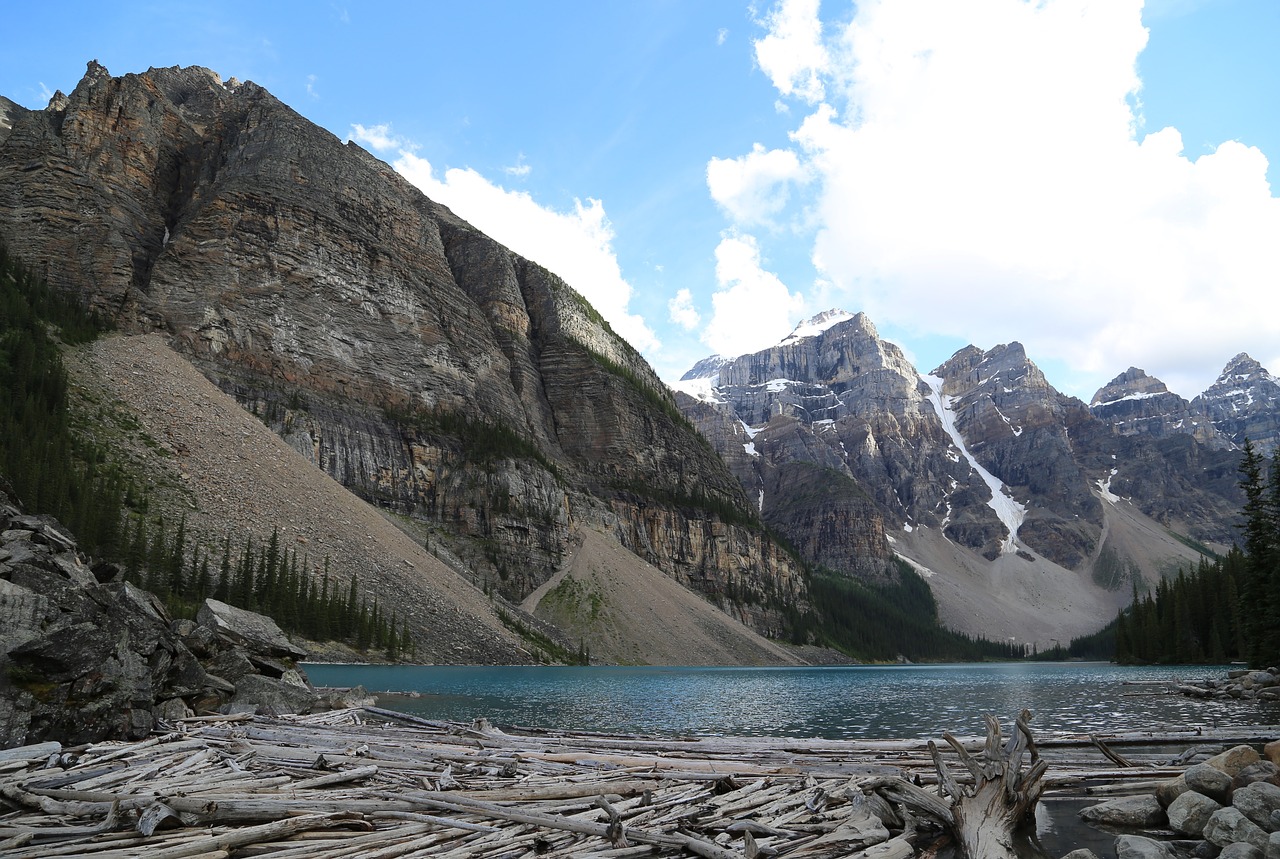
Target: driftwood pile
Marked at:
377, 784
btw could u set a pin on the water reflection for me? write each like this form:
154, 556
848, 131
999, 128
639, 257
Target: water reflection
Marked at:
847, 702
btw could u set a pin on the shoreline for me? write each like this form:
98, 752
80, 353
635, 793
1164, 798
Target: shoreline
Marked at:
354, 781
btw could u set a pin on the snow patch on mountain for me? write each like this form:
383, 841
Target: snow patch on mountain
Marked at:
1008, 510
815, 326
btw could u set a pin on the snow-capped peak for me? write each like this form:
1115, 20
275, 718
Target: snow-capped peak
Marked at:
818, 324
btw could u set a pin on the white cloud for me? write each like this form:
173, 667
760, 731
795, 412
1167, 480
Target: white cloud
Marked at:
682, 312
378, 137
576, 245
752, 309
520, 169
793, 54
722, 35
978, 171
753, 189
45, 93
311, 86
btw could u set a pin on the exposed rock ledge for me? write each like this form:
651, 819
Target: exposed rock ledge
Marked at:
86, 656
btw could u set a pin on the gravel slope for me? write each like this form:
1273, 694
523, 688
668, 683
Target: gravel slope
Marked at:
230, 474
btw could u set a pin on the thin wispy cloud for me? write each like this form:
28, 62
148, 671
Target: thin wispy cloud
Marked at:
520, 169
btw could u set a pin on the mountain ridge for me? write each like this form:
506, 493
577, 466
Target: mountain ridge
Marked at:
409, 356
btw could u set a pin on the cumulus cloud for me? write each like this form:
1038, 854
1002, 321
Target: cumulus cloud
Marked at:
793, 54
753, 189
682, 312
577, 245
752, 307
978, 170
378, 137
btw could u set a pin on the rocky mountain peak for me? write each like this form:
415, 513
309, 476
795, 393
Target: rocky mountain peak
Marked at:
1244, 403
1134, 404
826, 320
1133, 383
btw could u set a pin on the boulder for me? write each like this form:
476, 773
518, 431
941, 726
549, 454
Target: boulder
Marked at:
257, 633
1272, 751
1130, 812
1190, 813
1263, 770
272, 697
1138, 847
1170, 790
1258, 801
1228, 825
1081, 854
1209, 780
1273, 846
1234, 759
1240, 850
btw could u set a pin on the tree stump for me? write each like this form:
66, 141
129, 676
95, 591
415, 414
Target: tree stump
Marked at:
983, 813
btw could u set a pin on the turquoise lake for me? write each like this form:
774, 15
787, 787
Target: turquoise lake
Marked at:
844, 702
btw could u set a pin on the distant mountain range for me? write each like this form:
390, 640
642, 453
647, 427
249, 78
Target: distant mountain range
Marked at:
494, 415
1026, 508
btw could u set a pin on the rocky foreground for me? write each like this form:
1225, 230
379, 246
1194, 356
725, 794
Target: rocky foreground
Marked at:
85, 656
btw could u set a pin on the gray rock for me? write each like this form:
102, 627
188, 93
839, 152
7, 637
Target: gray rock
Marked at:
1234, 759
1240, 850
1229, 825
1080, 854
1130, 812
1273, 846
171, 710
1210, 781
1190, 813
231, 664
1262, 771
1138, 847
273, 697
255, 632
1258, 802
1170, 790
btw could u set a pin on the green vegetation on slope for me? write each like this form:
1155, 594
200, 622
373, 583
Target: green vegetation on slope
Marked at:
884, 622
51, 469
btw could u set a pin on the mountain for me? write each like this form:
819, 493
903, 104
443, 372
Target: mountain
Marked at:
420, 364
1244, 403
1029, 513
1134, 403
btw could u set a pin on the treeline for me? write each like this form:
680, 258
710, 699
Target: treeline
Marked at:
57, 471
1225, 610
880, 622
1194, 617
52, 469
266, 579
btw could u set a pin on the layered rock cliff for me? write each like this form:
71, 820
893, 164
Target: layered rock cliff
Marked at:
1243, 403
420, 363
1134, 403
1013, 498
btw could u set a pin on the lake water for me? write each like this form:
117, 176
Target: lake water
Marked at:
844, 702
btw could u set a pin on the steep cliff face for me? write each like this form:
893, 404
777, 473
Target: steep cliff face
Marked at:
1243, 403
417, 361
1134, 403
1021, 429
1012, 498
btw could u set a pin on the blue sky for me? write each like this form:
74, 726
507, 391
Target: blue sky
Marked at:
1090, 178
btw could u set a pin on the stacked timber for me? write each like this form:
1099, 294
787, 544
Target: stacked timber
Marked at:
374, 783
